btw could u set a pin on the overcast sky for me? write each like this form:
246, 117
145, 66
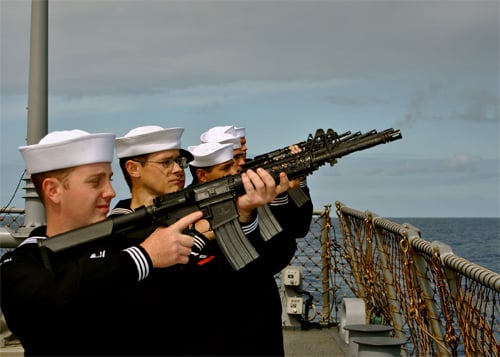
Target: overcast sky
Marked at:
282, 69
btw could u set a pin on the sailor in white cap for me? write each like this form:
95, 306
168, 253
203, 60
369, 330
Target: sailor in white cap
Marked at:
69, 154
226, 134
254, 285
152, 162
211, 161
285, 222
51, 300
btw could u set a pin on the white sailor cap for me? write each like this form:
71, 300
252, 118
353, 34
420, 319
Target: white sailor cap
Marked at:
68, 148
240, 132
210, 154
221, 134
149, 139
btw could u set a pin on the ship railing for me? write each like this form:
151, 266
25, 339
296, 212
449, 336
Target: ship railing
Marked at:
443, 304
11, 223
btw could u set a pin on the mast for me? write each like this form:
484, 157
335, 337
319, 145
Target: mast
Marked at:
37, 107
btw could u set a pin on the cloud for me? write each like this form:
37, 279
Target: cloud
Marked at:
393, 167
462, 163
125, 47
478, 105
348, 101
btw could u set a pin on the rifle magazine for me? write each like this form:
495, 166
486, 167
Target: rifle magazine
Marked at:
298, 196
235, 245
268, 224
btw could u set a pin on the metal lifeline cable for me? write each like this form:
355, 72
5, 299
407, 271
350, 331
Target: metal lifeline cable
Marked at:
3, 209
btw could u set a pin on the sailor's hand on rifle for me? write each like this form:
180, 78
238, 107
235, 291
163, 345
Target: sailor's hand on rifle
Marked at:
260, 189
295, 149
168, 246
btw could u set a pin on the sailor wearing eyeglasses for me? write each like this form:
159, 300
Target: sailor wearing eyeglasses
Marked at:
170, 303
152, 162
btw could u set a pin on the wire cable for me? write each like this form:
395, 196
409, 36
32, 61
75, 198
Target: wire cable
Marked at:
3, 209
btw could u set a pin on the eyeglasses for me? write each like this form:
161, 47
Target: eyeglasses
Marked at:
169, 163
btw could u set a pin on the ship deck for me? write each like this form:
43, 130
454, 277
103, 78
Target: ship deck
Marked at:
298, 343
315, 342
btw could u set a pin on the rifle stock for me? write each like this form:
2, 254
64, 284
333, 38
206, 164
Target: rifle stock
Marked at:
216, 199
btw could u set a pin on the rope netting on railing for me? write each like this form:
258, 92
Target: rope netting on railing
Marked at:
444, 304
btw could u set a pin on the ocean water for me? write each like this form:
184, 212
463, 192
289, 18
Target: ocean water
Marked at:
475, 239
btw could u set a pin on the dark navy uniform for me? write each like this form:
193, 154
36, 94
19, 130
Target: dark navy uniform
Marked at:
206, 308
64, 308
253, 314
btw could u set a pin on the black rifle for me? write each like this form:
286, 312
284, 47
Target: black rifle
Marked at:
276, 155
297, 195
216, 199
